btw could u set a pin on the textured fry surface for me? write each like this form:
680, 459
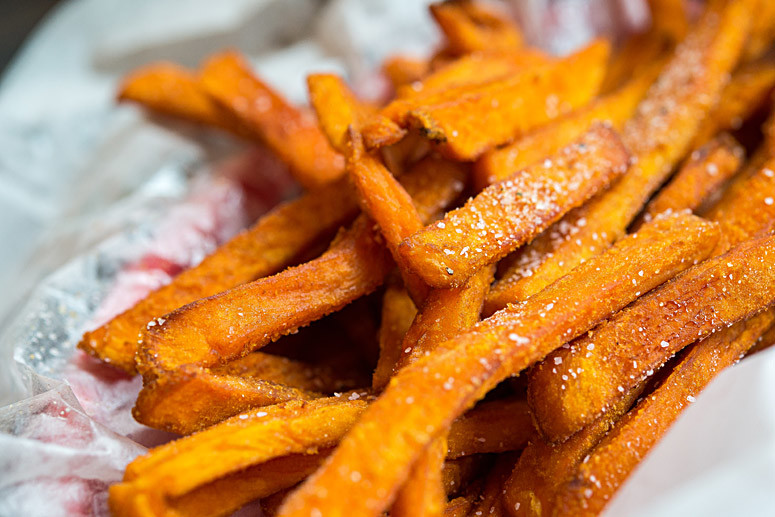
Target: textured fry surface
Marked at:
511, 212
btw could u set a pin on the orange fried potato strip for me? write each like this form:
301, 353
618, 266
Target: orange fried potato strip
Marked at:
543, 467
224, 496
576, 384
336, 107
514, 105
766, 340
763, 30
511, 212
659, 136
612, 461
386, 202
700, 178
423, 494
244, 441
230, 325
292, 134
278, 237
398, 312
476, 68
443, 384
748, 90
470, 26
496, 426
615, 108
171, 89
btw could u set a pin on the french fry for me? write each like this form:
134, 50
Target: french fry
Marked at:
748, 89
171, 89
457, 474
634, 58
659, 136
496, 426
241, 442
542, 468
762, 32
230, 325
386, 202
670, 17
423, 494
292, 134
524, 101
336, 107
574, 385
445, 383
278, 237
460, 506
615, 108
766, 340
701, 177
510, 213
476, 68
470, 26
224, 496
398, 312
612, 461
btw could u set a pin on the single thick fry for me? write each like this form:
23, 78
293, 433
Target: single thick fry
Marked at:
172, 90
387, 203
509, 213
224, 496
443, 384
236, 322
575, 385
336, 107
273, 242
470, 26
543, 467
702, 176
496, 426
612, 461
236, 444
476, 68
423, 494
748, 90
398, 312
659, 136
524, 101
615, 108
292, 134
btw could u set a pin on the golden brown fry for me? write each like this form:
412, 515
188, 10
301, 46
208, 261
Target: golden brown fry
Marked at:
445, 313
292, 134
278, 237
171, 89
470, 26
762, 32
748, 90
614, 108
496, 426
398, 312
510, 213
701, 177
542, 467
250, 439
386, 202
575, 385
226, 495
612, 461
524, 101
766, 340
670, 17
227, 326
336, 107
659, 136
476, 68
445, 383
423, 494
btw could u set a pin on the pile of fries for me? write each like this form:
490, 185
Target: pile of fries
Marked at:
499, 290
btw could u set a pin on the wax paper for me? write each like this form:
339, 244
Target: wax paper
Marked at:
118, 204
